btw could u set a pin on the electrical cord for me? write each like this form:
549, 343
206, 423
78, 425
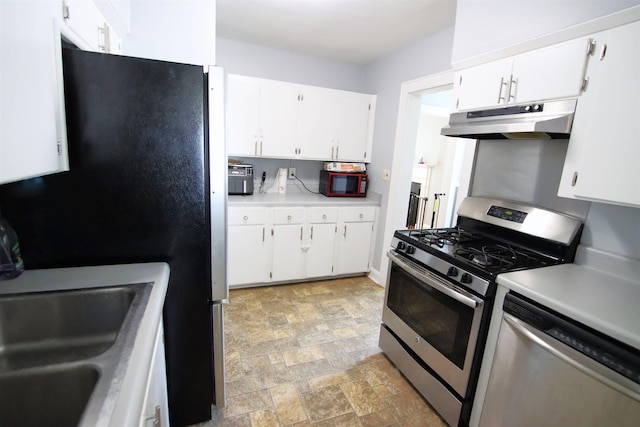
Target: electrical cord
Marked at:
305, 187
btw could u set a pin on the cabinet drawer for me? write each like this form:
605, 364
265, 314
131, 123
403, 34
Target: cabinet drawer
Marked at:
322, 215
288, 215
246, 216
358, 214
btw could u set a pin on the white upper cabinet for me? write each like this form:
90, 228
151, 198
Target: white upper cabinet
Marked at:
268, 118
89, 30
554, 72
604, 147
334, 125
33, 138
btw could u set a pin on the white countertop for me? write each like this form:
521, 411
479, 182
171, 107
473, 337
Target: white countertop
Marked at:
301, 199
128, 405
599, 299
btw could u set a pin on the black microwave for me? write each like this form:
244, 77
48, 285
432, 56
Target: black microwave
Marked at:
343, 184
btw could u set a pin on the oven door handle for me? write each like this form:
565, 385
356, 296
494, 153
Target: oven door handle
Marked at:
411, 270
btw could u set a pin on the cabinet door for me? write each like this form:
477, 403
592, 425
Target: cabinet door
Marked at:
550, 73
33, 139
278, 118
88, 24
249, 257
485, 85
604, 149
155, 410
321, 249
354, 245
243, 116
334, 124
288, 254
321, 241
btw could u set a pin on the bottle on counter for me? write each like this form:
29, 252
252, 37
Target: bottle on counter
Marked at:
11, 264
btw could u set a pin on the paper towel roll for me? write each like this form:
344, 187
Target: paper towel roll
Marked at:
282, 180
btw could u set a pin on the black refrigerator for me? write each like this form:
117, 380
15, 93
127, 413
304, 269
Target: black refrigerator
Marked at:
147, 182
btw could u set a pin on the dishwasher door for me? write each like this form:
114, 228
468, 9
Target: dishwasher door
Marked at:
538, 380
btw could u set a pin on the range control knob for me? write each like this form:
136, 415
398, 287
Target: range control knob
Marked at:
466, 278
410, 250
401, 245
452, 272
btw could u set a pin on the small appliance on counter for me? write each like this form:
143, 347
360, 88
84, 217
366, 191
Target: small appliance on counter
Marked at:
240, 178
343, 184
345, 167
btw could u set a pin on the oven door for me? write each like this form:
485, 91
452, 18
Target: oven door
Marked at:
437, 320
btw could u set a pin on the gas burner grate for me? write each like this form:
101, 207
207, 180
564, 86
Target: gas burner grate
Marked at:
499, 257
444, 236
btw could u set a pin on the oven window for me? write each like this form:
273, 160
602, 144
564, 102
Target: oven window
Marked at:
440, 320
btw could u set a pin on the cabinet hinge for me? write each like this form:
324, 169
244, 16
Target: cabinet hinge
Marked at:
603, 52
369, 107
365, 154
272, 231
270, 275
585, 83
332, 268
591, 47
59, 148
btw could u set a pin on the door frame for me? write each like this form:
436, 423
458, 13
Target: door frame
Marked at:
406, 133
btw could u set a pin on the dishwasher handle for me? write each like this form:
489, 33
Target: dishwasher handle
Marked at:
587, 366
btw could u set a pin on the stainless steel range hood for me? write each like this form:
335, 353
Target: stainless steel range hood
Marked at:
545, 120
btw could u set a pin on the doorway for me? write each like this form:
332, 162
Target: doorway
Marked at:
440, 164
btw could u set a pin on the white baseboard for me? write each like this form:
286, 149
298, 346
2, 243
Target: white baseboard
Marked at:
376, 277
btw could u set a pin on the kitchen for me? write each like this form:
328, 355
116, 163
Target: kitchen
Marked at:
608, 227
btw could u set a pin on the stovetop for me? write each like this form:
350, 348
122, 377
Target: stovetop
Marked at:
491, 237
483, 254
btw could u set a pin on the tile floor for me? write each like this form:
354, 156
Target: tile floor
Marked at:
307, 355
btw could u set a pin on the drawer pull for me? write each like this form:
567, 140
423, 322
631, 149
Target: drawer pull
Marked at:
245, 218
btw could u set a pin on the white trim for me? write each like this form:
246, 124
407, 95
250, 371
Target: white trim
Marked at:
376, 277
408, 115
570, 33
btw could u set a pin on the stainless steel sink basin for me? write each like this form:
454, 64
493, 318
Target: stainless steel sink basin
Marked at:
52, 397
53, 327
61, 352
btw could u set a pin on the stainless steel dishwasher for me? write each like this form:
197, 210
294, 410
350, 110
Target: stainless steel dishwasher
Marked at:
551, 371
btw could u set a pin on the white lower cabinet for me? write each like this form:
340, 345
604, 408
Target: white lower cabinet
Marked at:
288, 244
155, 409
321, 244
249, 259
283, 244
355, 233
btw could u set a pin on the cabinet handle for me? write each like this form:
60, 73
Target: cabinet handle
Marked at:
603, 51
513, 86
311, 236
255, 148
360, 216
103, 33
503, 84
337, 152
65, 11
345, 231
324, 217
288, 217
262, 234
333, 149
574, 179
157, 420
301, 228
261, 147
245, 218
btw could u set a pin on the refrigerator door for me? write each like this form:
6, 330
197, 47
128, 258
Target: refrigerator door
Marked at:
137, 191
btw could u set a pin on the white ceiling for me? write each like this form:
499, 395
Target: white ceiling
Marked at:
353, 31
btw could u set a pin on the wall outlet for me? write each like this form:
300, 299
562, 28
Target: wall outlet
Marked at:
386, 175
292, 173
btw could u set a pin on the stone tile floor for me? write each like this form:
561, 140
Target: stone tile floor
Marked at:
307, 355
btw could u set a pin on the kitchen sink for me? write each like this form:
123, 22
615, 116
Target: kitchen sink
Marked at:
62, 353
54, 327
51, 397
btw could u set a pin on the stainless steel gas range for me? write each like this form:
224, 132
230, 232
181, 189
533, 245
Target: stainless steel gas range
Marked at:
440, 289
